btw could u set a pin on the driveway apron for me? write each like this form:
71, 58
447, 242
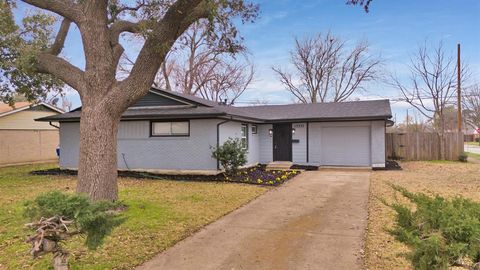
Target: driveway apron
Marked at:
315, 221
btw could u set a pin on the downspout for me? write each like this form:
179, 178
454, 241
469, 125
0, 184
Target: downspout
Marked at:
218, 137
50, 123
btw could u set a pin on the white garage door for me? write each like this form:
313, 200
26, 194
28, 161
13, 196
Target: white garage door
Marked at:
345, 146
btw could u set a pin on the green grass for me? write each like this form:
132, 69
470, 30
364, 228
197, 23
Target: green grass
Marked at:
472, 143
160, 213
473, 155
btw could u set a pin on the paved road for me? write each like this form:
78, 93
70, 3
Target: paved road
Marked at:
315, 221
472, 148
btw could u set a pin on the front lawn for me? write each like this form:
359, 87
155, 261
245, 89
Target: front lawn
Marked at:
160, 213
473, 155
444, 178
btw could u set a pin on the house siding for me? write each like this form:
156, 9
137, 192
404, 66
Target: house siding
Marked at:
266, 144
137, 150
299, 149
26, 120
233, 129
378, 143
151, 99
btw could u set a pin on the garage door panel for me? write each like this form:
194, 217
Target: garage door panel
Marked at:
345, 146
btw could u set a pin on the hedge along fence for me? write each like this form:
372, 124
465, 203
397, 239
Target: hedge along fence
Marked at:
423, 146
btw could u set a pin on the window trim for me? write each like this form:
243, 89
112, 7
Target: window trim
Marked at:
152, 122
246, 135
256, 129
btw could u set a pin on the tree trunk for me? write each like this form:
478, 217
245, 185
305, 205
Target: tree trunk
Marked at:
97, 172
441, 137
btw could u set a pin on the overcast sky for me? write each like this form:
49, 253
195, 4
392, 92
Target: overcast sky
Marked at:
394, 30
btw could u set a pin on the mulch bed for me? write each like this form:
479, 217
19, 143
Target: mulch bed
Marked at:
390, 165
254, 175
304, 167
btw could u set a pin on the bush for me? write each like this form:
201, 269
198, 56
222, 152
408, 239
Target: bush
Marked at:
440, 232
231, 155
57, 217
463, 157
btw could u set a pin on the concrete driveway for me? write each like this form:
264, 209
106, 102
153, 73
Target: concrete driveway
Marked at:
315, 221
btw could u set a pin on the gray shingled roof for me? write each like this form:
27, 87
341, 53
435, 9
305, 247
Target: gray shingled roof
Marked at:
334, 110
371, 109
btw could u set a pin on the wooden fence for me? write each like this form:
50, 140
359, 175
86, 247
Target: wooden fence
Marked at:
423, 146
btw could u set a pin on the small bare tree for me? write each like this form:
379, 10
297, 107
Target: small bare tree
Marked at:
327, 70
471, 106
432, 86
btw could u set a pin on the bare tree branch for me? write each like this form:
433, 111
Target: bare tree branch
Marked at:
65, 8
327, 71
57, 45
181, 15
471, 106
62, 69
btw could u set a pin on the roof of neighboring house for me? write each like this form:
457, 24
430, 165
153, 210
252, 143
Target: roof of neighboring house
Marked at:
196, 107
6, 109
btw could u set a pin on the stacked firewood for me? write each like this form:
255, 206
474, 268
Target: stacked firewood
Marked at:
49, 232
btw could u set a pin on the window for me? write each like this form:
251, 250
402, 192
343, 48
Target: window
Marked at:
254, 129
244, 136
173, 129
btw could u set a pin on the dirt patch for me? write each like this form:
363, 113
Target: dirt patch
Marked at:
444, 178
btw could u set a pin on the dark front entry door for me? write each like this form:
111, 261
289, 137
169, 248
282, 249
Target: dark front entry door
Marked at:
282, 142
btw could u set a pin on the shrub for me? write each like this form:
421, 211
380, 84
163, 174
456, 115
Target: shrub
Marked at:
231, 155
463, 157
57, 217
440, 232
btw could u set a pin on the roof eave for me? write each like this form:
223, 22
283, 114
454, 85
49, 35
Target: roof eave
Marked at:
138, 117
329, 119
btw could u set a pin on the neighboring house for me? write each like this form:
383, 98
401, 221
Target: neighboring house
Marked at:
167, 131
24, 140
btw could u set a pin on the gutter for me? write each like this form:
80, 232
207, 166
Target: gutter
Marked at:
218, 137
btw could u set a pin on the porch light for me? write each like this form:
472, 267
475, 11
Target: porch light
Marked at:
270, 132
293, 131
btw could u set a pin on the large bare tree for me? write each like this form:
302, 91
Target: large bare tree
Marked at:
432, 85
327, 70
214, 73
471, 106
195, 67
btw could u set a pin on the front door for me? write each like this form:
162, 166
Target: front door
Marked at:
282, 142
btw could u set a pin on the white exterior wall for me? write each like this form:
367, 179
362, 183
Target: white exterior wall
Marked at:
137, 150
378, 143
233, 130
140, 151
299, 149
266, 144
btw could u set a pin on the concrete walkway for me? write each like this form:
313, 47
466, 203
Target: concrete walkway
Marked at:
315, 221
